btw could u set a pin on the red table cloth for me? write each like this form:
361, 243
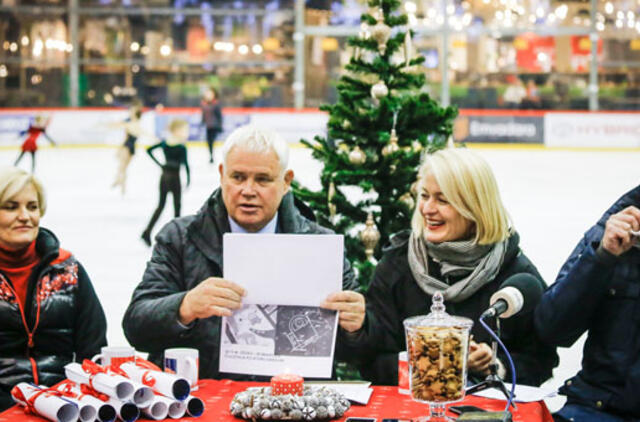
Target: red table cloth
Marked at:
385, 402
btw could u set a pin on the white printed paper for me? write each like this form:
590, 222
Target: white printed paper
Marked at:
524, 393
280, 327
354, 391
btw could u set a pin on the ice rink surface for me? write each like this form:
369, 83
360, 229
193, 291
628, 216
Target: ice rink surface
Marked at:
553, 196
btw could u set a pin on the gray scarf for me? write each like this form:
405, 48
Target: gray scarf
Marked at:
479, 263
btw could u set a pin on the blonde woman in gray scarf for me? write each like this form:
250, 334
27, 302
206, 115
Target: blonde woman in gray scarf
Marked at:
463, 245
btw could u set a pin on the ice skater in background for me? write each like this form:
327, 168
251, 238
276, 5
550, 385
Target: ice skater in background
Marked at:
133, 131
175, 154
211, 118
30, 144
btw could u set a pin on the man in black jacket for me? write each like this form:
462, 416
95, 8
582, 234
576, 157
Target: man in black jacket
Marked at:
182, 295
598, 290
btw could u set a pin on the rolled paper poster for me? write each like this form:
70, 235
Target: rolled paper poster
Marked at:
44, 402
157, 409
87, 412
127, 412
112, 385
195, 406
166, 384
142, 395
105, 412
176, 408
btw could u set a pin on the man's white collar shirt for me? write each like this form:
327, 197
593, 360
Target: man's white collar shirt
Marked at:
270, 228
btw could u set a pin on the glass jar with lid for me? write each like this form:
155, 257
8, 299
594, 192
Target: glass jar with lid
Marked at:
437, 348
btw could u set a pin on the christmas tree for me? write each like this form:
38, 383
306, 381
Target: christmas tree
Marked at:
378, 130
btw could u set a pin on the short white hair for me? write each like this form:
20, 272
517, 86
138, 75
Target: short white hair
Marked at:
257, 139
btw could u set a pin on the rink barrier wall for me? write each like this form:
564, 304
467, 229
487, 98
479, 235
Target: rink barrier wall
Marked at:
98, 127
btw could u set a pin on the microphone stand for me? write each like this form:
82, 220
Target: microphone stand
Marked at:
493, 380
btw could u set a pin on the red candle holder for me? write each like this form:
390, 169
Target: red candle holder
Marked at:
287, 384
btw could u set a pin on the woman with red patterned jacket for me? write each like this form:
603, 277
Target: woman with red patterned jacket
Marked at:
49, 313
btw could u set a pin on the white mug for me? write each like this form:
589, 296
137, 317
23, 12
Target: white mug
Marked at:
184, 363
115, 355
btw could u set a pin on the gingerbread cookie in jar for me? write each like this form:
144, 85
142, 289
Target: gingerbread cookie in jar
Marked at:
437, 347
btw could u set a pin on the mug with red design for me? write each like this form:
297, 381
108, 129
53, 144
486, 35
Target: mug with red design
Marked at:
184, 363
115, 355
403, 373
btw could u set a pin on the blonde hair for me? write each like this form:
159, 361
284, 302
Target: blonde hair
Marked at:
176, 124
13, 180
468, 184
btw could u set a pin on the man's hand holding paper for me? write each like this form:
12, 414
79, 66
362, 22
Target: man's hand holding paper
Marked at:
212, 297
350, 306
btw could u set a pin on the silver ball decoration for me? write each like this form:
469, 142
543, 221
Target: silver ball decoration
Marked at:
331, 411
265, 414
316, 403
379, 90
309, 413
407, 199
357, 156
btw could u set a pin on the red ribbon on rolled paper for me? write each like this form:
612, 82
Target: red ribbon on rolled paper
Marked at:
30, 403
287, 384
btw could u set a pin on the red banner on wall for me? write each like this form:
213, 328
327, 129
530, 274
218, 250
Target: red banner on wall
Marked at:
535, 53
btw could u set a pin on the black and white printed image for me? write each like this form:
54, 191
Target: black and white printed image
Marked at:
252, 325
304, 331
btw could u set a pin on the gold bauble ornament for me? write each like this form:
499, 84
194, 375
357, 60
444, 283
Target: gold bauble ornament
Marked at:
416, 146
393, 168
408, 200
357, 156
330, 195
376, 12
413, 70
343, 149
346, 124
381, 32
369, 236
379, 90
392, 146
408, 48
332, 210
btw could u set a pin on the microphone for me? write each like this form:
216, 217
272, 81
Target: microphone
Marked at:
519, 293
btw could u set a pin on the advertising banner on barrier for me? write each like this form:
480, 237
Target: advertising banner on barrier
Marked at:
104, 126
485, 128
592, 130
91, 126
291, 125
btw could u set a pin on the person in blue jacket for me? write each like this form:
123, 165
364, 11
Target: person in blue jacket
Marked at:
598, 291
